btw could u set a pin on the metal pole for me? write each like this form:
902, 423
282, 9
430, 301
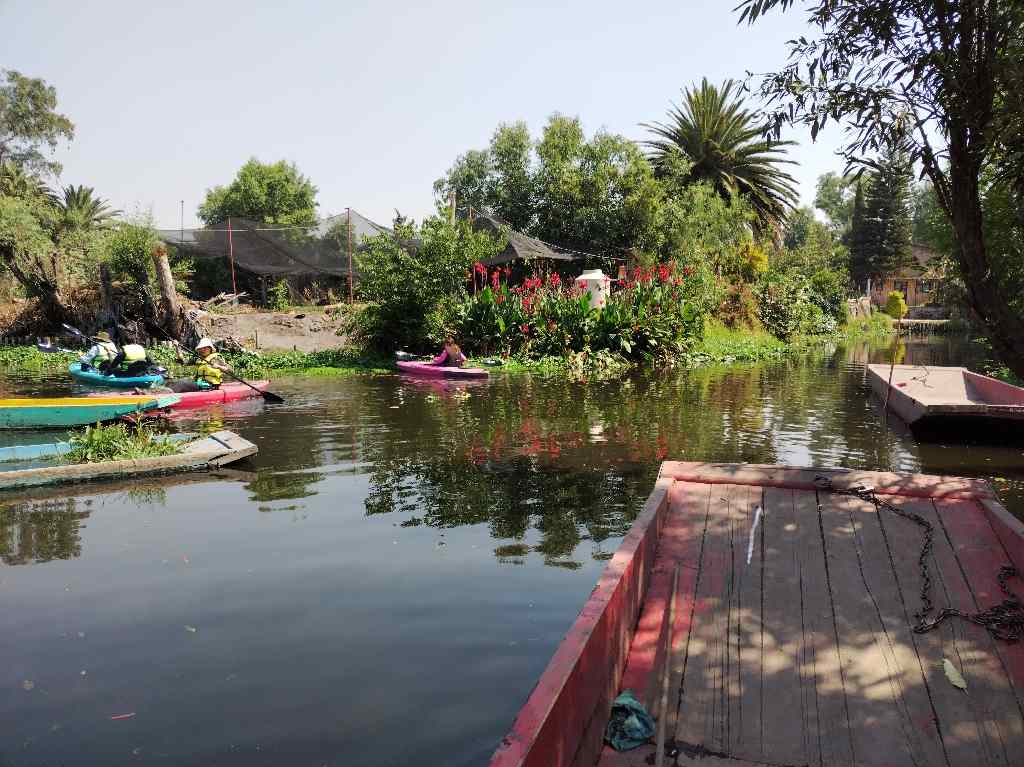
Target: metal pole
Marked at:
348, 215
231, 257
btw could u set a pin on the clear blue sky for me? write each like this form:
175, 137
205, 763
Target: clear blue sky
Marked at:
371, 100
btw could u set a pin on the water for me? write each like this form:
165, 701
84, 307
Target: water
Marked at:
383, 584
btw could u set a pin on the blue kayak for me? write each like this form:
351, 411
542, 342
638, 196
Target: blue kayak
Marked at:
96, 378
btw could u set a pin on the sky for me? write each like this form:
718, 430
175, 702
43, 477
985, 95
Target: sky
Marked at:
372, 101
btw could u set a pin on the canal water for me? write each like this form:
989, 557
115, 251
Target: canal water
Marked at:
385, 581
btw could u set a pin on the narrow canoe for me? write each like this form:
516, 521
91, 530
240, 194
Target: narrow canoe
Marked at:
212, 452
742, 589
75, 411
440, 371
96, 378
226, 393
921, 394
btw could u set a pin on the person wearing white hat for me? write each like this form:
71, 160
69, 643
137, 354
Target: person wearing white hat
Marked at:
210, 369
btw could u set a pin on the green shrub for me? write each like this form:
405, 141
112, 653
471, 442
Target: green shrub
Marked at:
279, 296
895, 305
117, 442
412, 291
828, 292
786, 308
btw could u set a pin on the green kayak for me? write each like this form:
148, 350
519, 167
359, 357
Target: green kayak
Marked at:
75, 411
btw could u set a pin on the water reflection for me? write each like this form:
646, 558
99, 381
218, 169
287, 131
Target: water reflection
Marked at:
40, 531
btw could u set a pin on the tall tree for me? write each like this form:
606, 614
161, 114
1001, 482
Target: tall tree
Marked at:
725, 144
275, 193
939, 78
29, 121
834, 198
857, 238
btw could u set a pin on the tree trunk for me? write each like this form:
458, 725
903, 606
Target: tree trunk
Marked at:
169, 312
1004, 328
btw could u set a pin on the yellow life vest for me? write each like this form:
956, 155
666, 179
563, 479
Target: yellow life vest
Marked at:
134, 352
107, 351
207, 372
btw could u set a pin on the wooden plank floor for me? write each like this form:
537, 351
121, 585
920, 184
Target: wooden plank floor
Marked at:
793, 643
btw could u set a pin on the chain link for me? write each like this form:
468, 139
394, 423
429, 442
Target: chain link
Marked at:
1003, 621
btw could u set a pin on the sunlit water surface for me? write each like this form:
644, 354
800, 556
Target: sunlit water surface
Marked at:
385, 581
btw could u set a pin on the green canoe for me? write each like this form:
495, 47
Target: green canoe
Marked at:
74, 411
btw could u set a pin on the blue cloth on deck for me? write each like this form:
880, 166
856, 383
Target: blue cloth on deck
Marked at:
630, 725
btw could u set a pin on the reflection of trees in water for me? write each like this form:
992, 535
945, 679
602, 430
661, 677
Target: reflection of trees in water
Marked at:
40, 531
283, 486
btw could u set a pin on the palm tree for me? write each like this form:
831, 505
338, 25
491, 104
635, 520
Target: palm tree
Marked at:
725, 146
81, 210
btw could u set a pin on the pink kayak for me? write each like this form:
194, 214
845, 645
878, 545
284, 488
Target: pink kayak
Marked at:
440, 371
226, 393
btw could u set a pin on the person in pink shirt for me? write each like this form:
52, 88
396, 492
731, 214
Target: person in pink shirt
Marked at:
451, 356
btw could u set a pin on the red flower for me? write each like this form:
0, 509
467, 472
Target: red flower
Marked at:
495, 279
480, 268
554, 279
517, 289
525, 329
507, 270
663, 273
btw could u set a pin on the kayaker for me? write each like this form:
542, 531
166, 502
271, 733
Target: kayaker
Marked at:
101, 354
451, 356
131, 360
210, 369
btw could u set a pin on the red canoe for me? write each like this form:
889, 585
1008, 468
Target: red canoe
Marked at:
426, 369
226, 393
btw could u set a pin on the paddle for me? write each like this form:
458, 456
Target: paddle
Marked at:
268, 396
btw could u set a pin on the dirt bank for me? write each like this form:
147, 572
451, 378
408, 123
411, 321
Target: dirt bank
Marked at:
305, 331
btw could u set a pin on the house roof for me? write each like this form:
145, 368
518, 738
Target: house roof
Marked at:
925, 266
520, 246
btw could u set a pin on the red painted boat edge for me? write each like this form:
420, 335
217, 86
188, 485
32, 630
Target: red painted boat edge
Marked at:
231, 392
803, 478
572, 698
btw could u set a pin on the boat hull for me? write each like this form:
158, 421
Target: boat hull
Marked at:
226, 393
440, 371
928, 398
74, 411
96, 378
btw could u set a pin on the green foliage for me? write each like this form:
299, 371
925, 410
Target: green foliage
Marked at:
323, 362
895, 305
725, 346
697, 226
878, 325
129, 250
931, 226
880, 240
828, 293
649, 317
787, 306
24, 245
726, 148
117, 442
835, 198
29, 121
597, 195
30, 358
80, 210
412, 292
275, 193
279, 296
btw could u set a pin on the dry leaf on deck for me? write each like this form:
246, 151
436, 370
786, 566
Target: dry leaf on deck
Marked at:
955, 677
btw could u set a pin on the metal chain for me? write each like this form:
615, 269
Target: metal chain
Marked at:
1003, 621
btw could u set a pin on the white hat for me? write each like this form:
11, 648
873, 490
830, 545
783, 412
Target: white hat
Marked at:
205, 342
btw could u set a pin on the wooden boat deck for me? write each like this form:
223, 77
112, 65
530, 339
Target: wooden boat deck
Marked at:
791, 642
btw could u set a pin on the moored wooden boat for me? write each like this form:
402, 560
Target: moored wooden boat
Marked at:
61, 412
211, 452
442, 371
228, 392
766, 615
94, 377
922, 394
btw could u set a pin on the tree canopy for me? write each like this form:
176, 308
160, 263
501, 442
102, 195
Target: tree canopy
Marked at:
29, 122
725, 146
276, 194
940, 81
